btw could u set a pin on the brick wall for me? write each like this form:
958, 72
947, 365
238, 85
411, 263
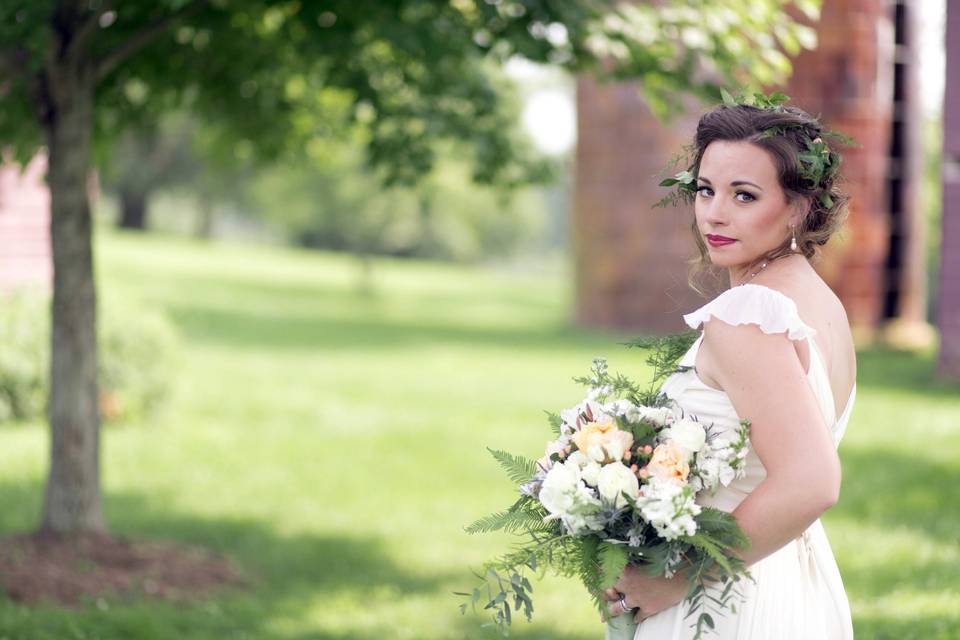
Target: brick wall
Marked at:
24, 227
848, 79
629, 257
948, 296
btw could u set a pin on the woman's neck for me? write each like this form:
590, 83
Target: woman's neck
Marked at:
742, 274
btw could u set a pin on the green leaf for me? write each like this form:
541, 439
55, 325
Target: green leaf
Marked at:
518, 468
510, 521
556, 422
613, 560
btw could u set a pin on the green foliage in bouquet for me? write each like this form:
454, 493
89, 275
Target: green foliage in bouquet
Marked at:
505, 588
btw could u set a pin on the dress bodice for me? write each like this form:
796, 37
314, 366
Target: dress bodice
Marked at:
773, 312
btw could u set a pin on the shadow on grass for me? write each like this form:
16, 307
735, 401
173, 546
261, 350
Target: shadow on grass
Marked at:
883, 368
238, 328
290, 576
289, 573
889, 628
892, 490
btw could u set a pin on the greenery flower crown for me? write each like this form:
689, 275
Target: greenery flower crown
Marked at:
817, 164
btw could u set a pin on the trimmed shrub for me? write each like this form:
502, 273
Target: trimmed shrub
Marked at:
136, 360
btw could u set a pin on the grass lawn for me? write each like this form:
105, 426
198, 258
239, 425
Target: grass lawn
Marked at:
333, 443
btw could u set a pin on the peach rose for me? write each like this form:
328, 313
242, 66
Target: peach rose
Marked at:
602, 441
670, 462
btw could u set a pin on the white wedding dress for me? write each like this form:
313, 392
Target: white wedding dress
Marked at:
798, 593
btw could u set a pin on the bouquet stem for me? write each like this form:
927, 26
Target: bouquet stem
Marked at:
621, 627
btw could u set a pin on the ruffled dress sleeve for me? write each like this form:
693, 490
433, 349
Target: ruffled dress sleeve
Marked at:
771, 310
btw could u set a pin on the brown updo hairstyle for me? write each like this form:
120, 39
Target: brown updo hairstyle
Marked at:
792, 129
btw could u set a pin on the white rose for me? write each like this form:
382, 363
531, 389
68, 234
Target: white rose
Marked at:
556, 493
614, 480
555, 446
688, 434
709, 470
569, 417
596, 453
590, 473
657, 415
615, 448
578, 458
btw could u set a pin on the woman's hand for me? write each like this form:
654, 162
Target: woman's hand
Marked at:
652, 594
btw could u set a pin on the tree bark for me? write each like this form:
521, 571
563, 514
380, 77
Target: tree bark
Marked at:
205, 217
72, 501
133, 209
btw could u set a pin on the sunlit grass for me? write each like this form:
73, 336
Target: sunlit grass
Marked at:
332, 440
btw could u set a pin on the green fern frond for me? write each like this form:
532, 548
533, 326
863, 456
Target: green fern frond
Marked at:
613, 560
556, 422
518, 468
510, 521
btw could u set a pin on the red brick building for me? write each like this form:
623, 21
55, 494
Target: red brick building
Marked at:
948, 298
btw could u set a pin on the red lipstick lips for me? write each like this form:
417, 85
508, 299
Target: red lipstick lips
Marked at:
718, 241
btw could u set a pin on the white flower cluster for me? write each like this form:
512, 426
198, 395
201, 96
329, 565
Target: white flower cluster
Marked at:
575, 491
586, 472
669, 506
719, 462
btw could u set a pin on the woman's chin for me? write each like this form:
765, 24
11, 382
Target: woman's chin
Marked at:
723, 260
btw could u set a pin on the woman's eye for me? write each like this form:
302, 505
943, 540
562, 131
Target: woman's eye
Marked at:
745, 196
704, 191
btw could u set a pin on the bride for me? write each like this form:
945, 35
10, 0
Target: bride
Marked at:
775, 348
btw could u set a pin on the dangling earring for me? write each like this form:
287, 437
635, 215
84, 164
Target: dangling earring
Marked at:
793, 240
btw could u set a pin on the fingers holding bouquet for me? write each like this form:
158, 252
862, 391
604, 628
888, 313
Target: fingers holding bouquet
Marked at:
644, 594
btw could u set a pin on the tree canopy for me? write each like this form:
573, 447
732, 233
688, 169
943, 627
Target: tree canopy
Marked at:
75, 74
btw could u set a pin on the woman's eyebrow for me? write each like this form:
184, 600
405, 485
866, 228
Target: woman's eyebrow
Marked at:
735, 183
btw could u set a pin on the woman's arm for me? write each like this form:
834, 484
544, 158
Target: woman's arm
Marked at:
763, 376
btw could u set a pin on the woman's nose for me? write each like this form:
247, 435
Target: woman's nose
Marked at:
716, 213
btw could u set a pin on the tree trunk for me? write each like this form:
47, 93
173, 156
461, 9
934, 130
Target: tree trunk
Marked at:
205, 217
133, 208
72, 501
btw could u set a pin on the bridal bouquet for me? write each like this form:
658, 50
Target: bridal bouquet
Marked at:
617, 485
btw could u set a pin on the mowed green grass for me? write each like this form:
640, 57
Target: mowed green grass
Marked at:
332, 442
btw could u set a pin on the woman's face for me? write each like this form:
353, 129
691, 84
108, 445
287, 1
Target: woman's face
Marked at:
739, 198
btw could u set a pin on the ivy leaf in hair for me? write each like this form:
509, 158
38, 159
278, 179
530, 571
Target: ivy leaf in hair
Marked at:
773, 101
842, 138
669, 200
777, 130
826, 200
755, 99
685, 192
813, 168
685, 177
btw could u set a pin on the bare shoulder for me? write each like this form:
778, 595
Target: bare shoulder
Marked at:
820, 307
